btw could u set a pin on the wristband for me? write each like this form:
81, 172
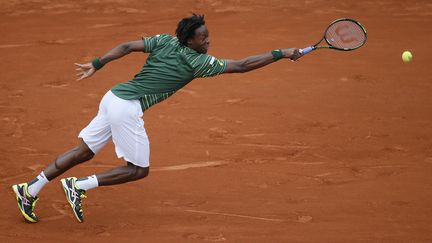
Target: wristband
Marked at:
97, 64
277, 54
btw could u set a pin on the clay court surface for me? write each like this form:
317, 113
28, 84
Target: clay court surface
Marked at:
334, 148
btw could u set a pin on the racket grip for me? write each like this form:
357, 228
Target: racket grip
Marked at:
306, 50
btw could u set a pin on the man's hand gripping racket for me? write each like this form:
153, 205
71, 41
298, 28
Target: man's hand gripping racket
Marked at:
342, 34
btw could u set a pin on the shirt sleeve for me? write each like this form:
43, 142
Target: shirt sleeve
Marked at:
208, 66
151, 43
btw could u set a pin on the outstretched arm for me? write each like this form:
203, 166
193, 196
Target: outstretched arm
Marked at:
88, 69
254, 62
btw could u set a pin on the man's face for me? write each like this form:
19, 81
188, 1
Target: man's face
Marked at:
201, 41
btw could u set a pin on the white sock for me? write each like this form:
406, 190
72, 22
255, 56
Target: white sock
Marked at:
37, 184
87, 183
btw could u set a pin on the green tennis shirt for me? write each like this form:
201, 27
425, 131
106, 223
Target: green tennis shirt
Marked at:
169, 67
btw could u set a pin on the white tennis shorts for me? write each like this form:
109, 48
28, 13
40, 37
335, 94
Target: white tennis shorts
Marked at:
122, 121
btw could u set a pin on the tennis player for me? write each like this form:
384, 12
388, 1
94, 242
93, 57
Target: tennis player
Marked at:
172, 63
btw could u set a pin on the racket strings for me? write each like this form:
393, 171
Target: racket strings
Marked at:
345, 35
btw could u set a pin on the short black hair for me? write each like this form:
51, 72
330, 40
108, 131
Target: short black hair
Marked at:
187, 26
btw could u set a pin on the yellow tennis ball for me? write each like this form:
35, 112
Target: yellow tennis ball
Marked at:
407, 56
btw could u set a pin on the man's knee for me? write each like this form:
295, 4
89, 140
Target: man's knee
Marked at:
141, 172
138, 172
84, 153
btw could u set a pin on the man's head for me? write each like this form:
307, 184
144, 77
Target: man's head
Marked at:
193, 33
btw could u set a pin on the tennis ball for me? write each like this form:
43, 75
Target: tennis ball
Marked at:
407, 56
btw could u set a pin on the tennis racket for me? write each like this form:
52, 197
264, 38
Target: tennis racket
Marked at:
343, 35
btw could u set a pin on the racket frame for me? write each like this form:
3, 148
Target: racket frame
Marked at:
330, 46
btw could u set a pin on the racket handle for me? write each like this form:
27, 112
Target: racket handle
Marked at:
306, 50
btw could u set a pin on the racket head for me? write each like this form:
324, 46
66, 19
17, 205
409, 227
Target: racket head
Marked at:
345, 34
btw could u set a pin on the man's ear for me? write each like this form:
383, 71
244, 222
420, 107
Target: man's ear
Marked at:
189, 41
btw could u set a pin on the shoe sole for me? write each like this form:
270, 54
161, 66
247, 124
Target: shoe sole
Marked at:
28, 218
64, 186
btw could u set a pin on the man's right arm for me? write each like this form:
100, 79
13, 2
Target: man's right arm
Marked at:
254, 62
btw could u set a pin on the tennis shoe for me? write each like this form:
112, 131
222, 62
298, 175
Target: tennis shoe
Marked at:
74, 195
26, 203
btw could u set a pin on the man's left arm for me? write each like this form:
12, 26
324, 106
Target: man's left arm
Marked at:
88, 69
